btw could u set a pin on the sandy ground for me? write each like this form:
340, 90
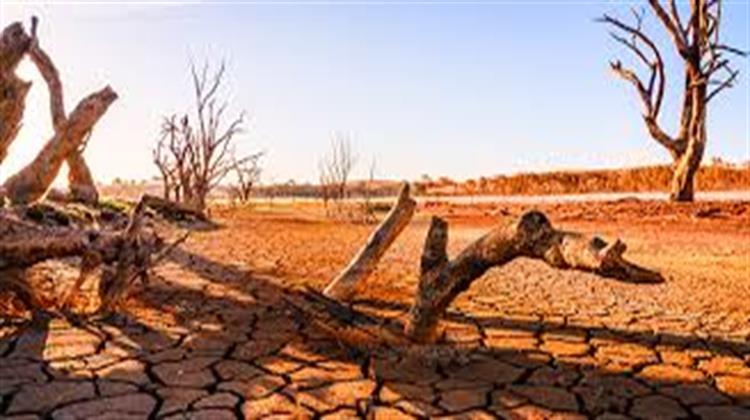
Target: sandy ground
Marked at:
211, 336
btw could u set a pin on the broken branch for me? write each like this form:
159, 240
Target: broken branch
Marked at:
363, 264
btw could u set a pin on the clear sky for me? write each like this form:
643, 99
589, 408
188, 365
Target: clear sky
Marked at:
461, 90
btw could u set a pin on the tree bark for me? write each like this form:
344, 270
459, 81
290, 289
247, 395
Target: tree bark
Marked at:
14, 43
441, 280
693, 125
80, 182
364, 263
130, 251
32, 182
707, 73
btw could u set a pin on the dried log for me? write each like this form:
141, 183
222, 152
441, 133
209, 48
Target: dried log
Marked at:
363, 264
173, 210
130, 251
32, 181
14, 43
532, 236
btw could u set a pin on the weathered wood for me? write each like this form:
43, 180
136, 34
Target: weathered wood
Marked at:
32, 182
173, 210
531, 236
81, 183
364, 263
707, 72
133, 254
129, 250
14, 43
28, 250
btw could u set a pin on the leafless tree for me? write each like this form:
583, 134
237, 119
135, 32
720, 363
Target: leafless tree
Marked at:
336, 167
162, 160
707, 72
71, 130
197, 151
247, 174
325, 183
368, 207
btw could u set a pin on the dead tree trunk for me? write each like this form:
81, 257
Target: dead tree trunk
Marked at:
131, 251
14, 43
80, 182
707, 73
533, 236
173, 210
32, 182
363, 264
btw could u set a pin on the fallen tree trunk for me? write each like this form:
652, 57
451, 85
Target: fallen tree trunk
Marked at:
128, 251
173, 210
27, 250
14, 43
364, 263
441, 280
32, 182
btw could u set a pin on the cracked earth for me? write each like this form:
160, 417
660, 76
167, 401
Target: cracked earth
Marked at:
211, 338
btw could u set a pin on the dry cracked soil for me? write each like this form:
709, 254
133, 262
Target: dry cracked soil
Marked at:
210, 336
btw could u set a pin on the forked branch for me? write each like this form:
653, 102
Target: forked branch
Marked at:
532, 236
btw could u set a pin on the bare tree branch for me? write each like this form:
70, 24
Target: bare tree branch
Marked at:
202, 148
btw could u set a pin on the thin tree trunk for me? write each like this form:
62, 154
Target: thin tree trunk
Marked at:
363, 264
80, 182
686, 165
14, 43
32, 182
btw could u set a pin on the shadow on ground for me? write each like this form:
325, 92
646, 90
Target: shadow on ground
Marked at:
209, 340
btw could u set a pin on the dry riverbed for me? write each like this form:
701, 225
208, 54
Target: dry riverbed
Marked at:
211, 337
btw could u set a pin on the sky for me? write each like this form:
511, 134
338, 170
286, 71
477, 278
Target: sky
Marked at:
458, 89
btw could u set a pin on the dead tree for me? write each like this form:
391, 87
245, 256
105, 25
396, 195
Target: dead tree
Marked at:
14, 44
71, 132
442, 279
196, 152
167, 170
364, 263
707, 72
368, 208
31, 182
325, 185
129, 251
80, 181
336, 166
532, 236
247, 174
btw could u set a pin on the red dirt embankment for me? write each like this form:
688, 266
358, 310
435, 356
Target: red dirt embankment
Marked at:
718, 177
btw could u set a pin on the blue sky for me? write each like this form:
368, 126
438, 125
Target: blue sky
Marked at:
461, 90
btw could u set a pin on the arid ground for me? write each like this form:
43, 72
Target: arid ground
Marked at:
212, 336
